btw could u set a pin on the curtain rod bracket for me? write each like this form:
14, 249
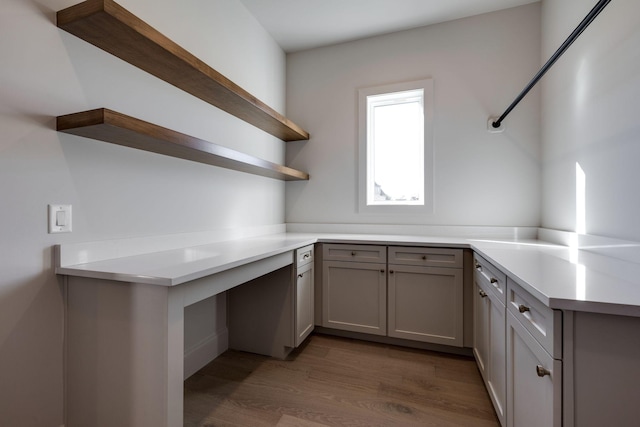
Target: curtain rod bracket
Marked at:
494, 126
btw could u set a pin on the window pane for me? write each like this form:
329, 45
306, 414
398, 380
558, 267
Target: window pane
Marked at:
396, 144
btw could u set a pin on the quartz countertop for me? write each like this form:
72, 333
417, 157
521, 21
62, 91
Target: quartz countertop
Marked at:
560, 277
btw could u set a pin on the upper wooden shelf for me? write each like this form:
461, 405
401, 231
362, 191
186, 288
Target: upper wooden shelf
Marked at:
114, 29
109, 126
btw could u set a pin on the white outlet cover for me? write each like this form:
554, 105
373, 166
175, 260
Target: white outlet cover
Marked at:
60, 219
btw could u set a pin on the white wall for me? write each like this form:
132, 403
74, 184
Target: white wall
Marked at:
478, 65
590, 103
115, 191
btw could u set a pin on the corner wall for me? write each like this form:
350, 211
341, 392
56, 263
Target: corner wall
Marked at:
478, 65
590, 104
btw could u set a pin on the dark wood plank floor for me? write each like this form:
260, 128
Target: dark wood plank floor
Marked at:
333, 381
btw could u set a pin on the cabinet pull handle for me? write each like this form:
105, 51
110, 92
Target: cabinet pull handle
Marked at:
493, 280
523, 308
541, 371
390, 271
478, 266
353, 253
424, 257
382, 270
482, 293
301, 274
305, 256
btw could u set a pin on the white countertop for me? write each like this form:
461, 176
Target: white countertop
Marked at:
558, 276
177, 266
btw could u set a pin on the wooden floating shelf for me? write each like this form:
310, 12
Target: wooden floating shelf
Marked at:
114, 29
110, 126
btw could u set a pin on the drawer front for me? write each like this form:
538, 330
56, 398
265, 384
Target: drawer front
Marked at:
425, 257
304, 255
542, 322
489, 277
355, 253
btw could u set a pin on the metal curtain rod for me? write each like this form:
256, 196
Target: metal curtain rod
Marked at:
572, 37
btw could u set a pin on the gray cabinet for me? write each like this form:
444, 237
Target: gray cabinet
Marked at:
489, 343
533, 381
255, 326
426, 302
412, 293
534, 365
354, 288
304, 294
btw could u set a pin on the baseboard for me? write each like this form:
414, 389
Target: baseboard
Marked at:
205, 351
460, 351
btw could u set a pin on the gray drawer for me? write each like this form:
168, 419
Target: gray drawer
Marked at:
542, 322
304, 255
489, 277
355, 253
425, 257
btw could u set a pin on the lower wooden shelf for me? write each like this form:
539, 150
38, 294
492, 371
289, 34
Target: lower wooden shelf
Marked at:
109, 126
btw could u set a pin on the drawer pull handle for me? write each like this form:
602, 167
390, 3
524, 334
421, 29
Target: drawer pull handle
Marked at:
482, 293
353, 254
541, 371
523, 308
493, 280
424, 257
478, 266
305, 256
301, 274
390, 271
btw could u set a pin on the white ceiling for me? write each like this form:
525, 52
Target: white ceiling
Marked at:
305, 24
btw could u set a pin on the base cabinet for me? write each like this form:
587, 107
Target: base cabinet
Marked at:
254, 326
412, 293
534, 380
304, 296
354, 296
426, 304
534, 361
489, 344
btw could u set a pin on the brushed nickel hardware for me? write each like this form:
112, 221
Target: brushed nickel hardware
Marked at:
482, 293
541, 371
523, 308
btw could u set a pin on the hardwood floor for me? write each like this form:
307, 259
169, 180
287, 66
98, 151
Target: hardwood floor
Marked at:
333, 381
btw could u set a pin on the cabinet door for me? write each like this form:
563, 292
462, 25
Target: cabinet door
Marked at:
481, 331
354, 297
304, 303
534, 380
489, 346
425, 304
497, 379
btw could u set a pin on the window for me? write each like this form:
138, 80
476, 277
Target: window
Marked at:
395, 148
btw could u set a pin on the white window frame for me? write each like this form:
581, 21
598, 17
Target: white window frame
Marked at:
426, 85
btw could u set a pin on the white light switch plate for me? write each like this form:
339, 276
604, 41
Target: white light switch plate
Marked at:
60, 219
